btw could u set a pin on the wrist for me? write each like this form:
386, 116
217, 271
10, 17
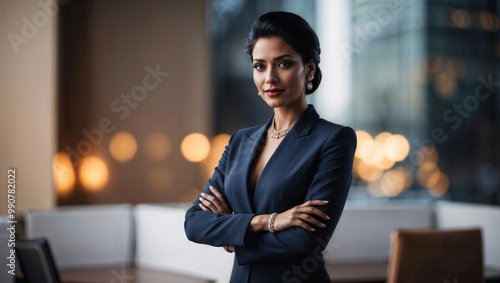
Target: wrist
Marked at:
259, 223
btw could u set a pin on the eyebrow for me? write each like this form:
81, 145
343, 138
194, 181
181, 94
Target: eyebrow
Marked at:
275, 59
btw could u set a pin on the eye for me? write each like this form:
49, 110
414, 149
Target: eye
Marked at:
258, 67
285, 64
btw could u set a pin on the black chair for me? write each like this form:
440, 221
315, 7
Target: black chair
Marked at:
37, 263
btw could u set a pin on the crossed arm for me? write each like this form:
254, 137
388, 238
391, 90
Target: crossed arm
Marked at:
297, 216
210, 221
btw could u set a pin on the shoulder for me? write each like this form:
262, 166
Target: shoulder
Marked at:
332, 129
336, 135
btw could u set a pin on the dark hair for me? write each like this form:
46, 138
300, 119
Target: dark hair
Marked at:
295, 31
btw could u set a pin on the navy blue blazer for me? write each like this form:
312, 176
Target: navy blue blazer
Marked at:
313, 162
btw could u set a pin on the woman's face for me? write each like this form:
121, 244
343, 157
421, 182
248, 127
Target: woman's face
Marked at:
279, 74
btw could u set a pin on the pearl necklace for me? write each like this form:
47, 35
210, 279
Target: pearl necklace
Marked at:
273, 133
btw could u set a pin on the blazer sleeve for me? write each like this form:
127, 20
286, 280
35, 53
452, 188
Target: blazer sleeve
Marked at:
213, 229
330, 182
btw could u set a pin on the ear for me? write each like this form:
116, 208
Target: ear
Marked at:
311, 68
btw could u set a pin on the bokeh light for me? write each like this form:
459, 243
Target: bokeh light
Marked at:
392, 183
123, 146
488, 21
157, 146
161, 179
368, 172
195, 147
424, 173
427, 154
93, 173
217, 147
460, 18
375, 190
396, 147
438, 184
63, 173
363, 149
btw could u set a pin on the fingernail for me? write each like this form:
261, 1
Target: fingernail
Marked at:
200, 199
323, 225
328, 217
325, 201
203, 194
312, 229
200, 205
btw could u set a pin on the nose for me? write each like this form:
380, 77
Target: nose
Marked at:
271, 76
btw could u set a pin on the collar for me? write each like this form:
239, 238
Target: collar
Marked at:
301, 128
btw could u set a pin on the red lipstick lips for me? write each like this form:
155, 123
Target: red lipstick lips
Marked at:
273, 91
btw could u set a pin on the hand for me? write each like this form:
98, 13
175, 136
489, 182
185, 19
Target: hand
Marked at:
217, 204
301, 216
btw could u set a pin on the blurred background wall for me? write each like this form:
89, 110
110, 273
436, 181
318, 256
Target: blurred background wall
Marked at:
28, 95
134, 101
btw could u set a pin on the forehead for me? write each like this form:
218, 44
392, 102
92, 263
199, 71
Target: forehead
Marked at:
268, 48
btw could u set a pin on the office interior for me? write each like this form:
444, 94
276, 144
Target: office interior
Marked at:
115, 113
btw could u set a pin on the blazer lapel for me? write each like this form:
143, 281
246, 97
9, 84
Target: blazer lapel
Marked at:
248, 149
291, 144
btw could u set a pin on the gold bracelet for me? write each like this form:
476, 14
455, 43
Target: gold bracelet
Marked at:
271, 222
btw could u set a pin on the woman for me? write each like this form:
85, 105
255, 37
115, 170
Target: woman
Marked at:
280, 188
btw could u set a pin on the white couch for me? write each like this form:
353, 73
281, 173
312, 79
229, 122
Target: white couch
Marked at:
84, 236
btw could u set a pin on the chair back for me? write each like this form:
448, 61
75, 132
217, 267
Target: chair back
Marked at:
436, 256
37, 263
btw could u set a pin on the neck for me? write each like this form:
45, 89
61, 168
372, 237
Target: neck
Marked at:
285, 117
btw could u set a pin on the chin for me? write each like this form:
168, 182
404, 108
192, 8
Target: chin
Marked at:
274, 104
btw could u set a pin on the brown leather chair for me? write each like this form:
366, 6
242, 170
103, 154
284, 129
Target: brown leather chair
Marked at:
436, 256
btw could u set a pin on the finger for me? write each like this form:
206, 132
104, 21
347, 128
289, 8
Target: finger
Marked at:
221, 198
208, 204
305, 226
312, 221
314, 203
204, 208
314, 211
216, 203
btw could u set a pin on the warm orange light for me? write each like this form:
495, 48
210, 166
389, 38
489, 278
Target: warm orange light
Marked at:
424, 173
460, 18
384, 163
157, 146
122, 146
396, 147
374, 189
368, 172
438, 184
392, 183
407, 175
427, 154
93, 173
488, 21
63, 173
160, 179
355, 165
217, 147
363, 150
382, 137
377, 154
195, 147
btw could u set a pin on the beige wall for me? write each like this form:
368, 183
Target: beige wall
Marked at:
121, 39
112, 44
27, 102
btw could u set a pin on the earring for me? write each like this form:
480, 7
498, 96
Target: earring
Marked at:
310, 84
258, 93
